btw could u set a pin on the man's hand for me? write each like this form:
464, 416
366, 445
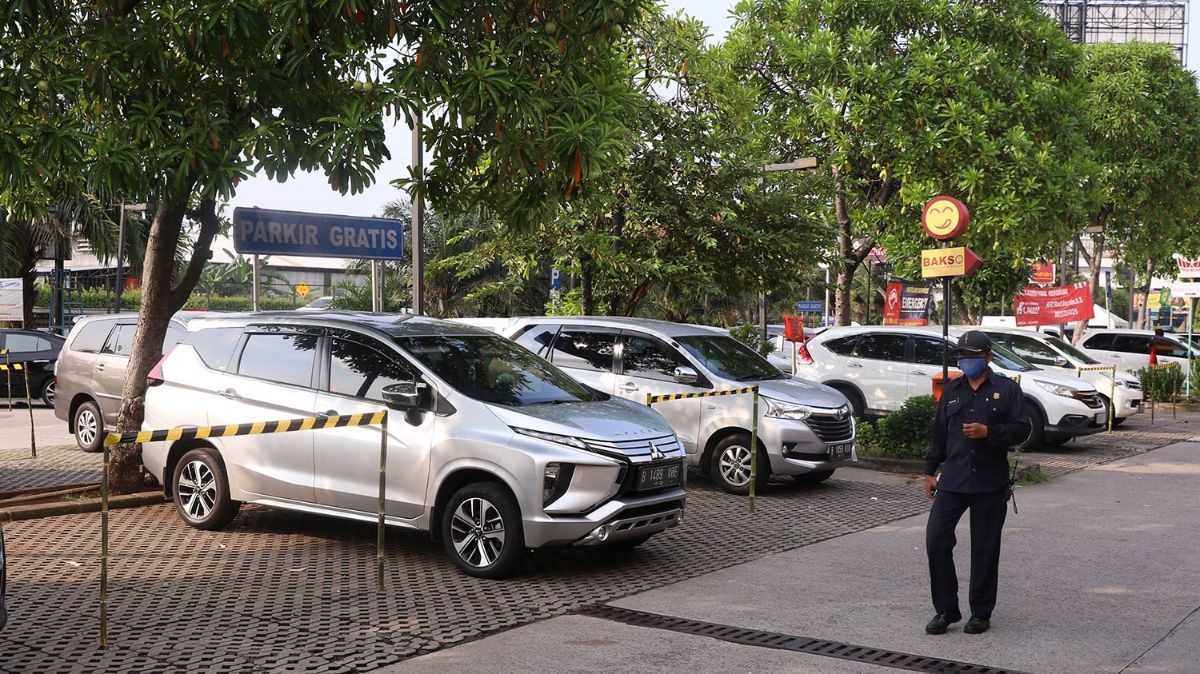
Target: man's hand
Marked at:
930, 486
975, 431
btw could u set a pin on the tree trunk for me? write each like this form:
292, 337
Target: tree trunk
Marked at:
29, 295
1094, 260
161, 298
1145, 320
845, 264
585, 274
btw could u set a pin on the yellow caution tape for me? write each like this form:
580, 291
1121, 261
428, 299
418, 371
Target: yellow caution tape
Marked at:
253, 428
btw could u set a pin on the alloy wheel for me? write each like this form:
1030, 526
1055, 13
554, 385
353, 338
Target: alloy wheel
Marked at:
477, 531
197, 490
735, 465
50, 393
86, 428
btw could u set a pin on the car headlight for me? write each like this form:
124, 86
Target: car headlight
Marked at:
553, 437
1057, 389
779, 409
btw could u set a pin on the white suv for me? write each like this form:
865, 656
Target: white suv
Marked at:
1130, 349
879, 367
1056, 355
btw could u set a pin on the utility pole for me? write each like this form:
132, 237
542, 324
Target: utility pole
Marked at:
801, 164
418, 216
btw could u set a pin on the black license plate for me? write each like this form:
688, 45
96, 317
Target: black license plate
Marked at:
657, 477
840, 451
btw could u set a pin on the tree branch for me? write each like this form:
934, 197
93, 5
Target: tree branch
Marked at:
210, 224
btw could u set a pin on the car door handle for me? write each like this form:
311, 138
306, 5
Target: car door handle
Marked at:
629, 386
920, 373
229, 394
853, 364
99, 367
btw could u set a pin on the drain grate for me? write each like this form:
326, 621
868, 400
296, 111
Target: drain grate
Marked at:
787, 642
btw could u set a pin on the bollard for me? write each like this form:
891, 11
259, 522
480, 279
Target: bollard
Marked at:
8, 374
753, 448
383, 443
29, 404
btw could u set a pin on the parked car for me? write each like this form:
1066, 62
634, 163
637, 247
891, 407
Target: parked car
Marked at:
1129, 350
490, 449
1056, 355
91, 373
877, 368
3, 581
805, 429
37, 352
322, 303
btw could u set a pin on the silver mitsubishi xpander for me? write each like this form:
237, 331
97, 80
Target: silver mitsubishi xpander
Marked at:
490, 448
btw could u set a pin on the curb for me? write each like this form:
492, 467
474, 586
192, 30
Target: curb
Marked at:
92, 505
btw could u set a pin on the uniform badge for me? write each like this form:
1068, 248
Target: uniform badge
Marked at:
996, 395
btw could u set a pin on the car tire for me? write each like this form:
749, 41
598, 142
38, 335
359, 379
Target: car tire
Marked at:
1117, 421
1037, 429
89, 427
731, 465
482, 531
857, 406
200, 490
47, 394
814, 478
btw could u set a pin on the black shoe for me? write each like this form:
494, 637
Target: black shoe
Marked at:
977, 625
942, 621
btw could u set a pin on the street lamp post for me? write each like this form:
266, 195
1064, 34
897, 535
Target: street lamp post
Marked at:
801, 164
418, 216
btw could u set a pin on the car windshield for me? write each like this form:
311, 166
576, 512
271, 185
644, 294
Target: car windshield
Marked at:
1008, 360
727, 357
495, 370
1067, 348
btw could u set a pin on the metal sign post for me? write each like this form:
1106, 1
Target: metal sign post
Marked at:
254, 282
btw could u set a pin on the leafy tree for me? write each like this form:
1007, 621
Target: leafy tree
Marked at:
176, 101
903, 99
1143, 127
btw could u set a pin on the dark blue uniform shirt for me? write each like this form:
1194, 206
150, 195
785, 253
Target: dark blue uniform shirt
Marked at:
974, 466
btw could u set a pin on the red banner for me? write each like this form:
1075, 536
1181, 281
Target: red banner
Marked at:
1050, 306
906, 303
1044, 273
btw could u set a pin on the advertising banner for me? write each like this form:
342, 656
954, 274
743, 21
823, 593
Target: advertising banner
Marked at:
1044, 273
1050, 306
12, 302
1187, 268
906, 303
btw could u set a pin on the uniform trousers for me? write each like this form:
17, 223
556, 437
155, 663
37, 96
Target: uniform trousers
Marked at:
987, 520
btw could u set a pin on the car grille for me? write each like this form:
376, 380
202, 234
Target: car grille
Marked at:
639, 449
1092, 400
829, 428
1135, 385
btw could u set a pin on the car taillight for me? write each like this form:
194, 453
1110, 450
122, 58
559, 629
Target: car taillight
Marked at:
803, 355
155, 377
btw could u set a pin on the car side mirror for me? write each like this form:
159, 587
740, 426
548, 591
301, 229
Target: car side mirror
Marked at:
1059, 361
686, 375
407, 396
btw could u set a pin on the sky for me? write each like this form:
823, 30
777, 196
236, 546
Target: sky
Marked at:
311, 191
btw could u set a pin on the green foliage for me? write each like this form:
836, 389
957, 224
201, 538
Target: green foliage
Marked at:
751, 336
570, 304
131, 300
900, 101
903, 434
1162, 382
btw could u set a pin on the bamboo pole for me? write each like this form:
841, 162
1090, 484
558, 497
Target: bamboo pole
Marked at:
753, 448
29, 404
379, 536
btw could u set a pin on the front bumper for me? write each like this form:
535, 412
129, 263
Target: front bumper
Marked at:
796, 447
627, 516
1076, 425
1128, 402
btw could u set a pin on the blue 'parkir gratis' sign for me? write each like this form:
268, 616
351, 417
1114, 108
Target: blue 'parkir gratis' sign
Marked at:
257, 231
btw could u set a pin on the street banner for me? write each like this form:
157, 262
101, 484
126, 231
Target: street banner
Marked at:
12, 300
1050, 306
906, 303
1185, 289
1044, 273
1187, 268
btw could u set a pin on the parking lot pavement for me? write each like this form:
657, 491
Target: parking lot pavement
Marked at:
14, 428
280, 591
1099, 574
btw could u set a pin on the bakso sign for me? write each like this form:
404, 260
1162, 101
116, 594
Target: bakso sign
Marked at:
258, 231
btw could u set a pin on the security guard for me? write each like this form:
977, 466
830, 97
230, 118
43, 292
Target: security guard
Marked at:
980, 417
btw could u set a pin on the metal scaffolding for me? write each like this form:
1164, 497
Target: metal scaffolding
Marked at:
1088, 21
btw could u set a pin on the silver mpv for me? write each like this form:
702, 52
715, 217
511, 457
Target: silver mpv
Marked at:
490, 448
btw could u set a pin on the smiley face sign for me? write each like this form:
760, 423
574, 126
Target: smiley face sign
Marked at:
945, 218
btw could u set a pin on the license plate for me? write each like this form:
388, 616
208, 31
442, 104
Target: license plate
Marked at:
1102, 418
840, 451
657, 477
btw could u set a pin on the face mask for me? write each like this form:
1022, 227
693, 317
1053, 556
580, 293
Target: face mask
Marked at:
972, 367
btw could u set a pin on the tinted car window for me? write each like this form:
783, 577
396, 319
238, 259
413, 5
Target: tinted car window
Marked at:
928, 351
120, 341
843, 346
1131, 344
18, 342
1169, 347
495, 370
585, 350
1102, 342
361, 371
91, 336
729, 358
215, 346
1033, 351
538, 338
1071, 351
283, 358
881, 347
649, 359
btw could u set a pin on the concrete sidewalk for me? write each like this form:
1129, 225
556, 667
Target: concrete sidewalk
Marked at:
1099, 574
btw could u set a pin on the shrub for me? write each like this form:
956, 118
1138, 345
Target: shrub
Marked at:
752, 337
1161, 382
903, 434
